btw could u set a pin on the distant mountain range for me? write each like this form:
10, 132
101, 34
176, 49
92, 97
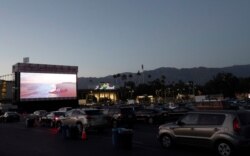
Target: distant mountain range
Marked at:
199, 75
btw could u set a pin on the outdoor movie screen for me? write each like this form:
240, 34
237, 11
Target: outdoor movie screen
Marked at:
47, 86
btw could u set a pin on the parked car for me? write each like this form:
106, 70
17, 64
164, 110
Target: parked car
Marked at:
40, 113
120, 116
225, 131
151, 115
85, 118
53, 119
10, 117
175, 113
64, 109
35, 118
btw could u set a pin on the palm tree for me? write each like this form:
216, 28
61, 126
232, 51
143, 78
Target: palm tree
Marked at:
163, 78
149, 77
118, 76
130, 76
115, 76
124, 77
90, 80
138, 76
91, 83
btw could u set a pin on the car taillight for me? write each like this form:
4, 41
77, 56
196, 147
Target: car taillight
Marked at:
236, 125
56, 118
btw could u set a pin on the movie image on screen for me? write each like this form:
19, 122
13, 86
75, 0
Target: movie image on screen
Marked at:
47, 85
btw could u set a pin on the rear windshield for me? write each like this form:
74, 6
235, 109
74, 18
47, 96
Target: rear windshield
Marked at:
93, 112
127, 110
59, 113
244, 118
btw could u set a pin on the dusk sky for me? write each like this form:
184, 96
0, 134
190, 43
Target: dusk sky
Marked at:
106, 37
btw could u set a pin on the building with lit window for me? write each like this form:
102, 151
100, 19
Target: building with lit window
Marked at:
104, 92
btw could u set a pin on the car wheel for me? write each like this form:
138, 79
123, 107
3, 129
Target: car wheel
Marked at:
224, 148
166, 141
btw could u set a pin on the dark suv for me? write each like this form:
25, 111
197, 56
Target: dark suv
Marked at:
121, 116
151, 115
10, 117
225, 131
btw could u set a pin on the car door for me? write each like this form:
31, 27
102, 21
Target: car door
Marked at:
75, 116
184, 131
69, 118
208, 125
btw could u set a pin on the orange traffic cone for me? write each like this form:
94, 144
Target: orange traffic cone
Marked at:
54, 130
84, 135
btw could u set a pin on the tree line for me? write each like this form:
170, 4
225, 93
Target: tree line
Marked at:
225, 84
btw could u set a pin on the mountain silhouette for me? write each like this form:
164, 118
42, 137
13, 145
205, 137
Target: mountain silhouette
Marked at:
199, 75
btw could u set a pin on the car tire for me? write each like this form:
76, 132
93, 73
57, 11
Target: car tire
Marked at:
166, 141
223, 148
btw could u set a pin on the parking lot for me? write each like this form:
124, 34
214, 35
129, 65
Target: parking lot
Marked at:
16, 139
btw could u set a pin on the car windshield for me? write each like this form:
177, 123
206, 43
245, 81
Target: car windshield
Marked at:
59, 113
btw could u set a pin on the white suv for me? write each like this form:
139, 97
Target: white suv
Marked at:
85, 118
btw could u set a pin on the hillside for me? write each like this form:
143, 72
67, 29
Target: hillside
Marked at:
199, 75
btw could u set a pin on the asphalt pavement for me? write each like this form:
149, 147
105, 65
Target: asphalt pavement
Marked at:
16, 139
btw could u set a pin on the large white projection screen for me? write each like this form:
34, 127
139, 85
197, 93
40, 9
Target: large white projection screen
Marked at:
47, 85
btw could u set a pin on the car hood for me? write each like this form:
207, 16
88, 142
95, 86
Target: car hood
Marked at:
170, 125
